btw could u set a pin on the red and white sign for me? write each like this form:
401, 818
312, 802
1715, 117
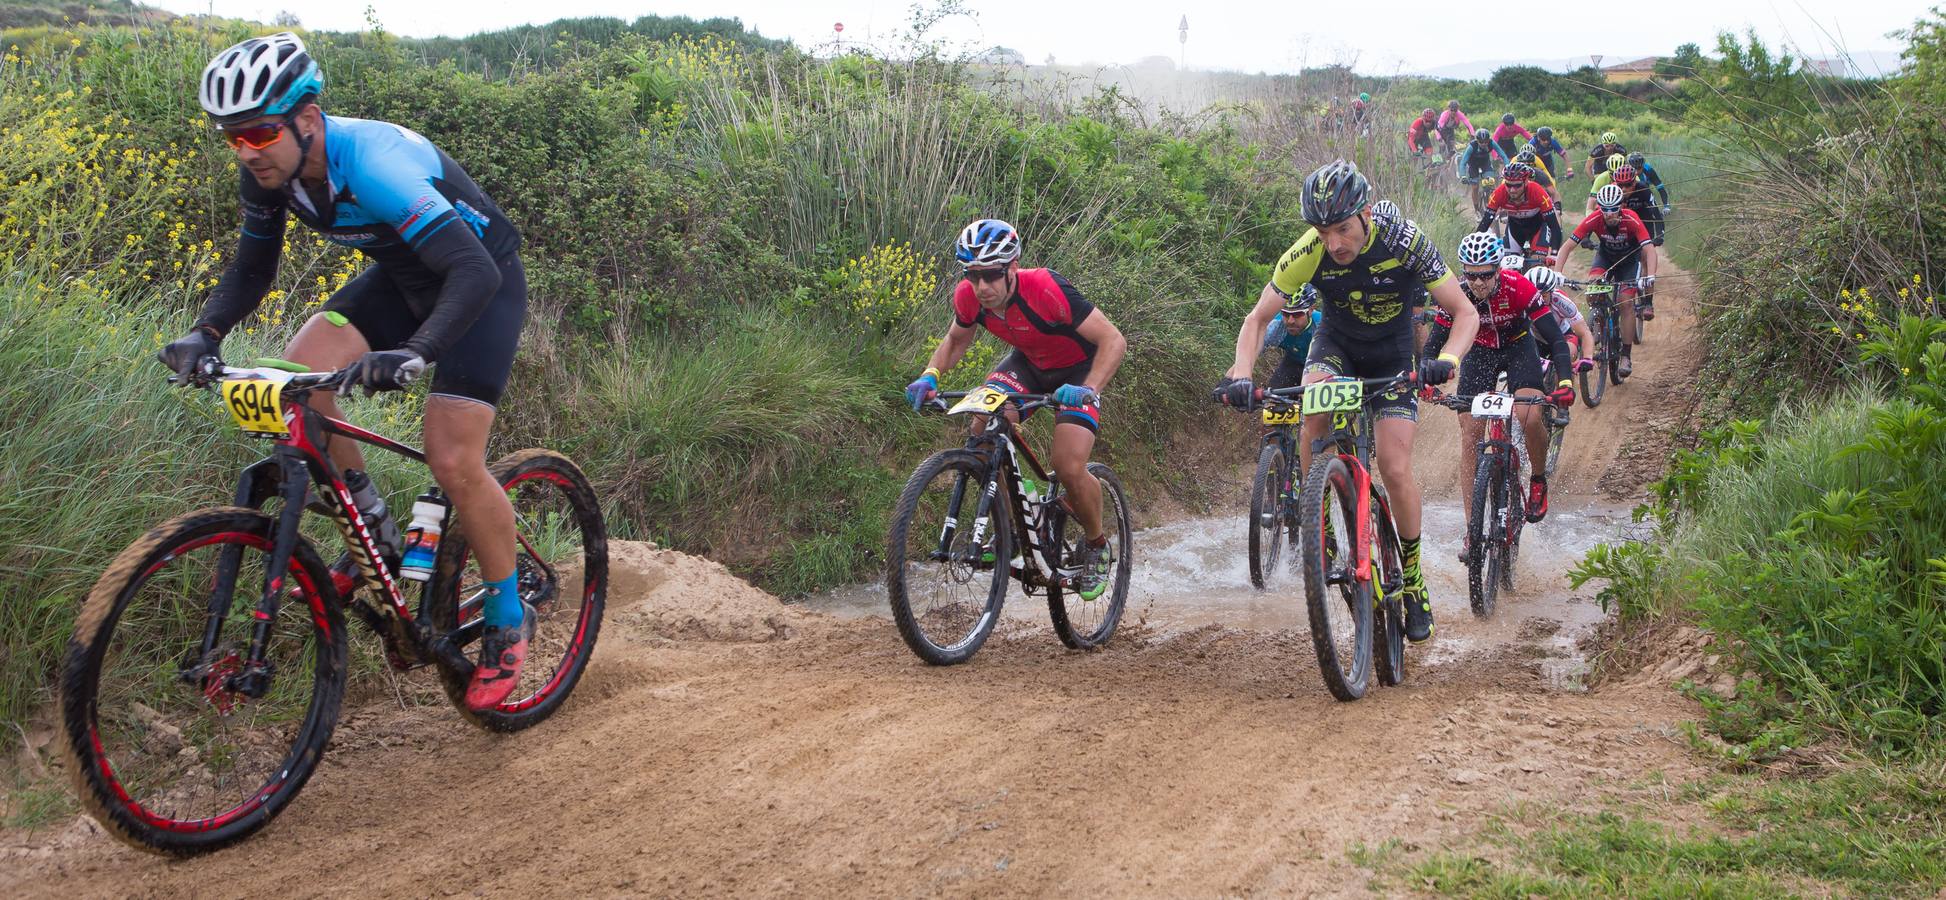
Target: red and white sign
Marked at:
838, 27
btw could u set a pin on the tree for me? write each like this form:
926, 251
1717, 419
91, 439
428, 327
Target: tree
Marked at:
286, 19
1685, 64
1523, 84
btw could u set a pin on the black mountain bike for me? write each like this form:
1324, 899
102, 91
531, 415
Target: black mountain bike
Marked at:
1349, 541
204, 677
1274, 490
1604, 320
971, 518
1498, 510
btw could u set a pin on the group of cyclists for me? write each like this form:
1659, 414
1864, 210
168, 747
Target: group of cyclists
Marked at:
446, 292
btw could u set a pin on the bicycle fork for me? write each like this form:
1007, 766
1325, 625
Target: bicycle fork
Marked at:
251, 675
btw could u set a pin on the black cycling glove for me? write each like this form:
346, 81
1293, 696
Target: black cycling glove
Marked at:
383, 370
185, 354
1237, 392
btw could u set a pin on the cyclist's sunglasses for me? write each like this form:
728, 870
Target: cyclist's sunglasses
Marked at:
256, 137
987, 276
1481, 274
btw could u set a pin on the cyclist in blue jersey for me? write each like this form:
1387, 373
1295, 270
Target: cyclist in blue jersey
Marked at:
446, 290
1548, 147
1292, 324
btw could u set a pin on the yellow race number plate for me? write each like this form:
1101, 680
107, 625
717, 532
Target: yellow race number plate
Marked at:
254, 404
1333, 397
1289, 415
984, 400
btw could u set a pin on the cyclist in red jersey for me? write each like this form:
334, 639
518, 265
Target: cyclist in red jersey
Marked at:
1418, 134
1517, 327
1062, 345
1532, 224
1621, 245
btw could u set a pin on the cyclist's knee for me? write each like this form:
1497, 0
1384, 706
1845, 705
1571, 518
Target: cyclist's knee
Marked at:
327, 341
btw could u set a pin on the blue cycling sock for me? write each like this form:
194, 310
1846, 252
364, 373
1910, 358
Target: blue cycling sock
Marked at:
503, 603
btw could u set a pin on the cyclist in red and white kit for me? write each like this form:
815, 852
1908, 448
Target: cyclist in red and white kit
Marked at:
1517, 327
1623, 254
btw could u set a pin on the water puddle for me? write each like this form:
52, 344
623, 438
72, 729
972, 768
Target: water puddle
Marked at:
1195, 573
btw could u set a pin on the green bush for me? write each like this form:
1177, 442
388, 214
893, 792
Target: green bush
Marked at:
1817, 548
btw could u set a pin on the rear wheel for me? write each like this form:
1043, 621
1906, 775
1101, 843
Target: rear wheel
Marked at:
1390, 611
1340, 605
1087, 624
561, 566
1267, 522
171, 747
945, 588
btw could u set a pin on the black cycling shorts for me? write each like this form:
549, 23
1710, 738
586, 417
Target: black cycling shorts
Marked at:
1289, 372
1621, 273
1651, 216
1015, 374
1480, 369
1370, 359
478, 365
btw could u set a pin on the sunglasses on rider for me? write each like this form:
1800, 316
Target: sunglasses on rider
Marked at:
985, 276
1481, 274
256, 137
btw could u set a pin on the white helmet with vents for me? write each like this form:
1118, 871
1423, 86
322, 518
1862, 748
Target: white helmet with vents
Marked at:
264, 76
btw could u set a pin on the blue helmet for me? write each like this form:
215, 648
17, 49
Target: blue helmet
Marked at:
988, 242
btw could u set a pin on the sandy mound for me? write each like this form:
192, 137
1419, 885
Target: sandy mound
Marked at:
661, 594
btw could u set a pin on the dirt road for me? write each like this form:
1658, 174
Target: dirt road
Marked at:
725, 743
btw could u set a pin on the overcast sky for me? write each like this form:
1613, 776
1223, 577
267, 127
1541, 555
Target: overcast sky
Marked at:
1380, 38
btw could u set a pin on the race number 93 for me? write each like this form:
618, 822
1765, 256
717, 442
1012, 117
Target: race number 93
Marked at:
254, 404
1333, 397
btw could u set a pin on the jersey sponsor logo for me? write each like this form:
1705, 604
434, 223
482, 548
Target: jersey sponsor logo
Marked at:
473, 218
414, 210
352, 238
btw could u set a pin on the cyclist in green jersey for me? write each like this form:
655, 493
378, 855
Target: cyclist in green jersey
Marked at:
1369, 273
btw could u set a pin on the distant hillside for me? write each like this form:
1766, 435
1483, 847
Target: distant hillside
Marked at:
541, 46
29, 13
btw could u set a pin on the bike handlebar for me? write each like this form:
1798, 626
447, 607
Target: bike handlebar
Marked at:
1464, 402
213, 370
1026, 402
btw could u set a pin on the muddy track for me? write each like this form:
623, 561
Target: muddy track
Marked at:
725, 743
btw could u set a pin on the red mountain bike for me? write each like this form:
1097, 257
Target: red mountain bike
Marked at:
192, 718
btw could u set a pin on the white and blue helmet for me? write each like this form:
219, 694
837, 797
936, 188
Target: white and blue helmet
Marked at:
1481, 248
264, 76
988, 242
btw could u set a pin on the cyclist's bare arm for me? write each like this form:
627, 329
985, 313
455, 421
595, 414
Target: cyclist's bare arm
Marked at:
952, 348
1466, 319
1250, 337
1110, 347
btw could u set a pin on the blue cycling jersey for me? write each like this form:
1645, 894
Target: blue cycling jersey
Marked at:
389, 191
437, 239
1297, 345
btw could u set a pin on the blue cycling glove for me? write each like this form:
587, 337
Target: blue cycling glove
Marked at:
1076, 395
922, 390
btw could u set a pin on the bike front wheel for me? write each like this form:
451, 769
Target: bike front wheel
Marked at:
1482, 583
1084, 624
1594, 382
1267, 522
1339, 603
173, 743
561, 566
945, 587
